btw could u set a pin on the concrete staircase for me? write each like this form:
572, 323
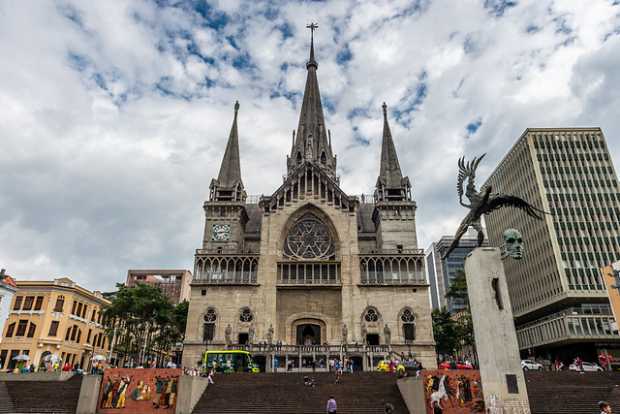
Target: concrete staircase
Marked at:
571, 392
6, 403
58, 397
363, 392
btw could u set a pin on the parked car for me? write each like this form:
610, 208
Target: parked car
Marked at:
587, 367
459, 365
531, 365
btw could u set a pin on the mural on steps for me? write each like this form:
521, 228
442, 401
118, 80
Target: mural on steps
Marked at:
456, 391
138, 391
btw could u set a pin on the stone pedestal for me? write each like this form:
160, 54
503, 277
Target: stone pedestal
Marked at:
503, 382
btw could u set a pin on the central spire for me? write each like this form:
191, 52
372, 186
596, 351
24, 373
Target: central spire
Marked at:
311, 142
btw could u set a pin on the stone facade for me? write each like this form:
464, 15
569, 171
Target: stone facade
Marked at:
310, 265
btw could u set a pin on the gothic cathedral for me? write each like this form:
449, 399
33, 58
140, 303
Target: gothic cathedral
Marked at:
310, 273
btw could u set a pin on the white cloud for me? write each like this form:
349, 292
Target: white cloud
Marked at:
103, 169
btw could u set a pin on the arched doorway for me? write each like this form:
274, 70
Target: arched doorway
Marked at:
308, 334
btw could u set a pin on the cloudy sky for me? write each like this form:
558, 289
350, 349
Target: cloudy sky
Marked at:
114, 114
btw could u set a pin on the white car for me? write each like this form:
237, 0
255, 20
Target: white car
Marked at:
587, 367
530, 365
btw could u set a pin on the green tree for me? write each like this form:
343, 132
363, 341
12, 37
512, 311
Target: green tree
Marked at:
458, 287
143, 322
180, 317
464, 328
445, 331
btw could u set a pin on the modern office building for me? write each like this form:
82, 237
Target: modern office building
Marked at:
559, 300
441, 272
174, 283
55, 317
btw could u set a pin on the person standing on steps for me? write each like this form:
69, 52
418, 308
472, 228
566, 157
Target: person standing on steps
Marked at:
331, 405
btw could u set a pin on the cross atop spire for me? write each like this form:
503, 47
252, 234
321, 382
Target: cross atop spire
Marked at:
312, 61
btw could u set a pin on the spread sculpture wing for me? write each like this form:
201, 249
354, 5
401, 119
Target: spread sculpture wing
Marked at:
457, 237
497, 201
461, 177
471, 183
467, 171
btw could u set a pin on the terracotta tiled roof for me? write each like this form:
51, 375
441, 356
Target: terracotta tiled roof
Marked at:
8, 280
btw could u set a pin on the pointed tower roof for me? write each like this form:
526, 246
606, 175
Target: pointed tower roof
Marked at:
391, 185
230, 171
311, 141
389, 172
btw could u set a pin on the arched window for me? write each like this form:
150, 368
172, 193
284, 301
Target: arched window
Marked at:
408, 319
371, 315
309, 238
299, 158
323, 158
246, 315
31, 330
10, 329
208, 326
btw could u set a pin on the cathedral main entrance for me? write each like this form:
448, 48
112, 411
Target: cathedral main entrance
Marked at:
308, 334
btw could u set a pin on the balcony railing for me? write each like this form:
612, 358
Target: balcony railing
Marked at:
226, 270
309, 273
567, 326
398, 268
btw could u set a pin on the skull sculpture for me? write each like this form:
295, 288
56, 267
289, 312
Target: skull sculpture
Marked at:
513, 244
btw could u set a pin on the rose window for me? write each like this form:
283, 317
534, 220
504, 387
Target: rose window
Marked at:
407, 316
246, 315
371, 315
309, 239
210, 316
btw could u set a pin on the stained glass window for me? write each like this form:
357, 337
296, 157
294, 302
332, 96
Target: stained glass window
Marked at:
309, 239
371, 315
246, 315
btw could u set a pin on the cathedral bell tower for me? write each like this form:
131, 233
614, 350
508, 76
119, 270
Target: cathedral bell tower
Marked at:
394, 213
225, 210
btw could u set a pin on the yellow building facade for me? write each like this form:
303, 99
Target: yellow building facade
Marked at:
55, 317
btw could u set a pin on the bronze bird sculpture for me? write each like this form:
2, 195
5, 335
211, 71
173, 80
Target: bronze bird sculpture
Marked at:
483, 202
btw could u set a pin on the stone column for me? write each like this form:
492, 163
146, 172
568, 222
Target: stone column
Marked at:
503, 382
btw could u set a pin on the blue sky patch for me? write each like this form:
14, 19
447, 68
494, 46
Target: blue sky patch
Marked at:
499, 7
71, 13
344, 55
359, 138
532, 28
473, 127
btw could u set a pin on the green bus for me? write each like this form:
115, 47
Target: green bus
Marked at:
229, 361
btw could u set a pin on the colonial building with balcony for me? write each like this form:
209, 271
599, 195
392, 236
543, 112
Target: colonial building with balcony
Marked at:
310, 271
54, 318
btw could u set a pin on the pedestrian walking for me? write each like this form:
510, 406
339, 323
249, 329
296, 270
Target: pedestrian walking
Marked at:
331, 405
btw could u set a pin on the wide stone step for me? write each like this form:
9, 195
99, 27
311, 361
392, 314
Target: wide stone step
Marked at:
362, 393
43, 397
571, 392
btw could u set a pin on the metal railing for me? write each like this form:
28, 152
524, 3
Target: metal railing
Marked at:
565, 326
